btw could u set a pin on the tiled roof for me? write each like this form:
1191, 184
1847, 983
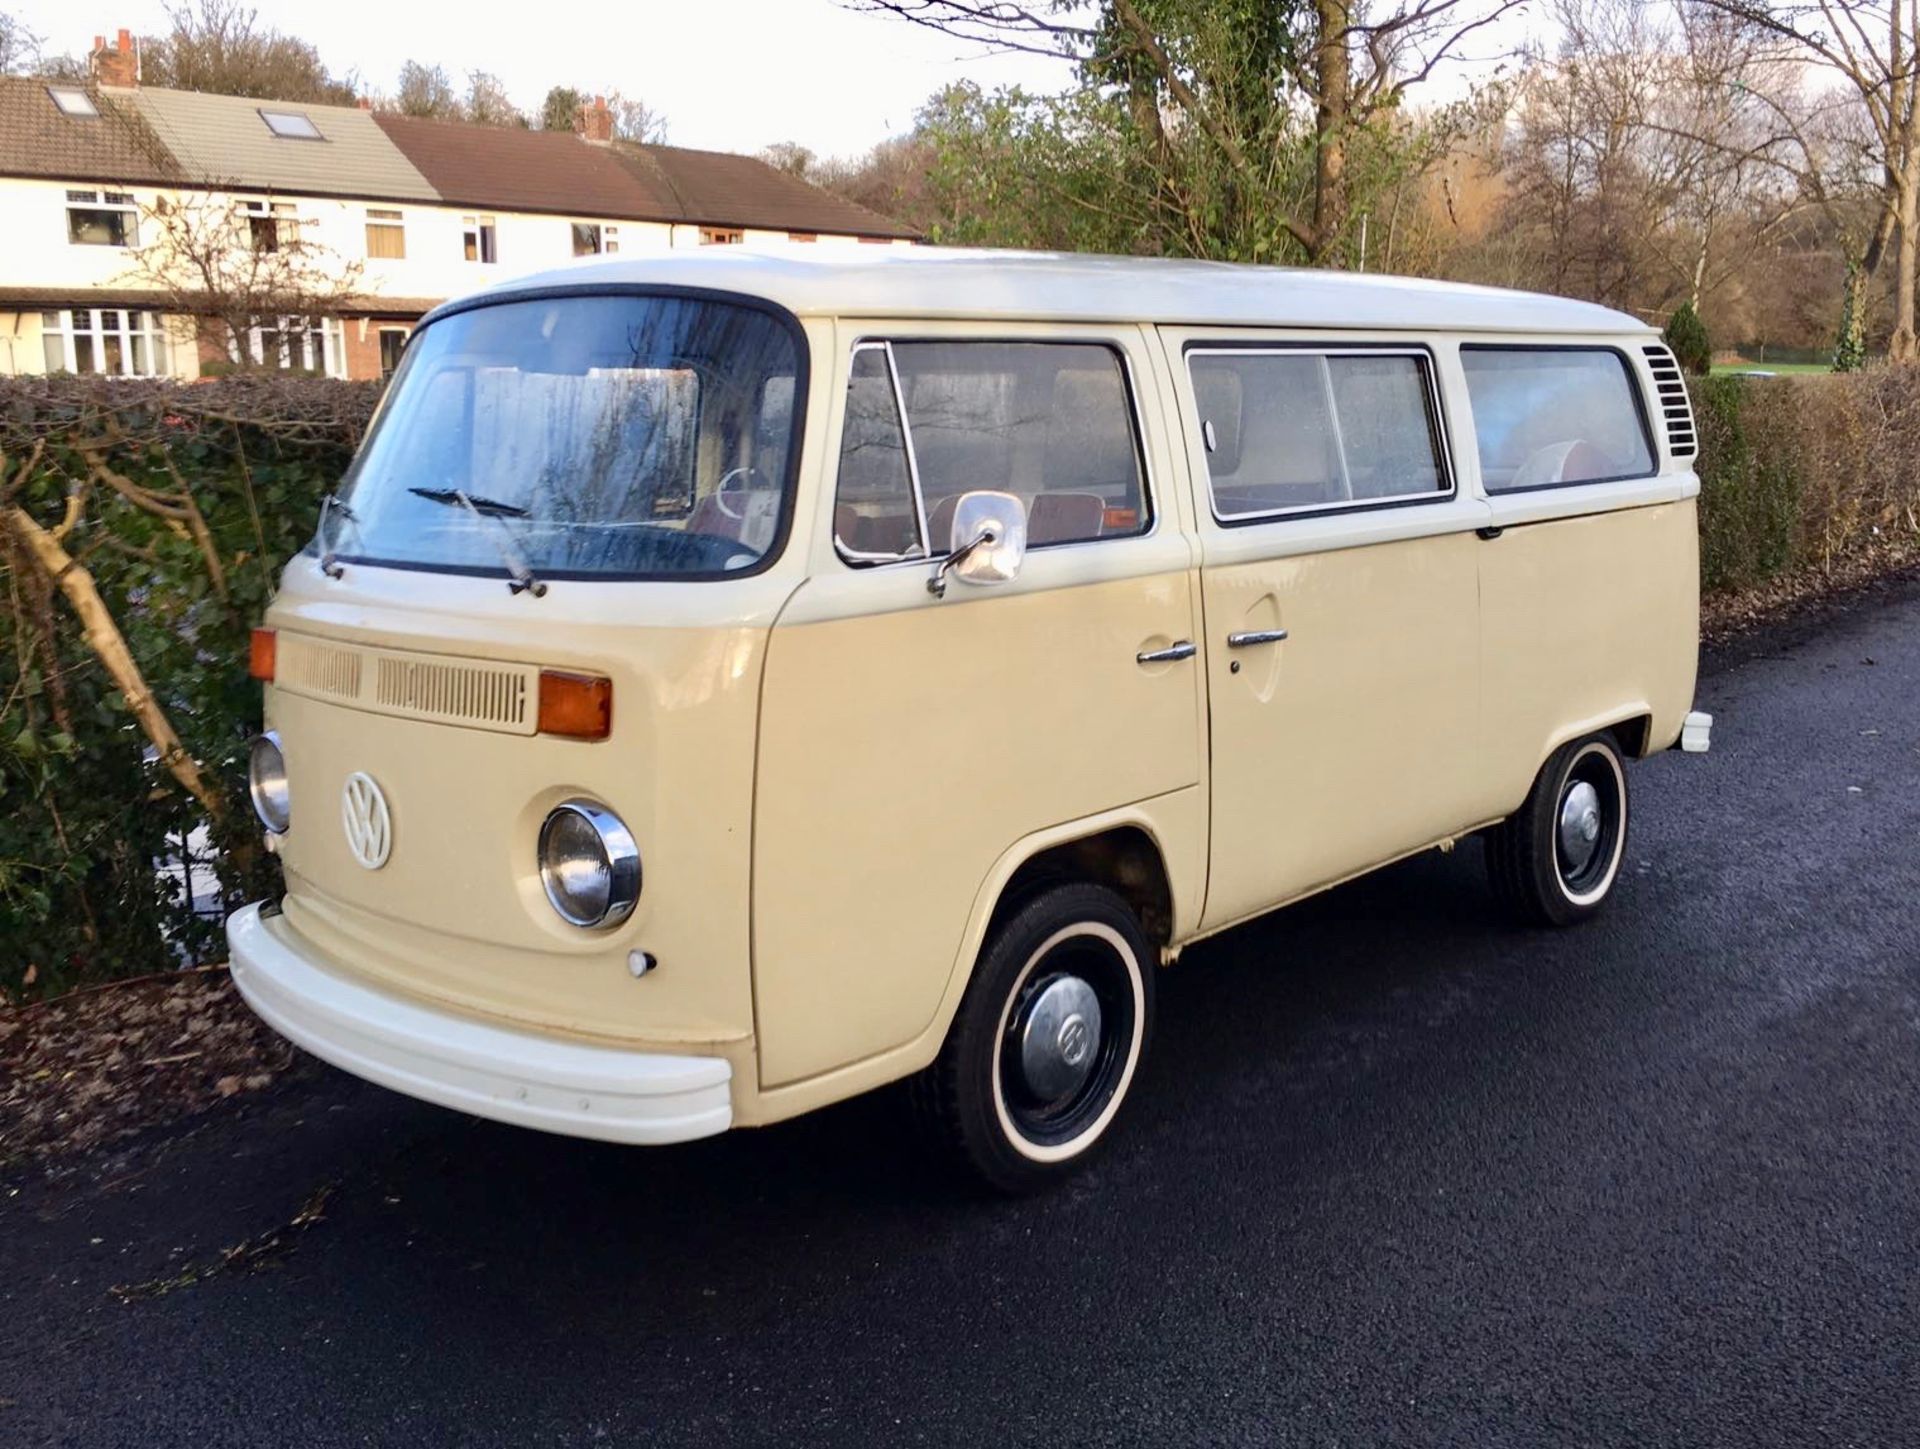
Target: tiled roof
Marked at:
38, 139
718, 188
515, 170
221, 140
153, 135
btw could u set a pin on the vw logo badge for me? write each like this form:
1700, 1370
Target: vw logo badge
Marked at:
363, 811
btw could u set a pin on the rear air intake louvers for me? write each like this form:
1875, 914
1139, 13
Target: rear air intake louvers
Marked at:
1675, 410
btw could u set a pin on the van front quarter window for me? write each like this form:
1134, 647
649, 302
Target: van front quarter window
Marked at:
611, 436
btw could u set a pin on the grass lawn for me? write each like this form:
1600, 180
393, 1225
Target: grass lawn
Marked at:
1782, 368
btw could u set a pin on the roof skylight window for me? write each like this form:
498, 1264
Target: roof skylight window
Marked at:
292, 125
73, 101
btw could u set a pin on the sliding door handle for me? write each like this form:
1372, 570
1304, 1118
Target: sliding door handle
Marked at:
1248, 638
1184, 649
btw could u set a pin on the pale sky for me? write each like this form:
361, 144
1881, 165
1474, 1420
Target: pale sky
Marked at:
730, 75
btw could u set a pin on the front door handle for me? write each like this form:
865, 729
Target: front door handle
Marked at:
1249, 637
1183, 649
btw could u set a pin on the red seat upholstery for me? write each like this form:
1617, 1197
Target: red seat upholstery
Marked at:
1065, 517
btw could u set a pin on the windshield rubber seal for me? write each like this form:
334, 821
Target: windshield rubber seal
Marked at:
789, 488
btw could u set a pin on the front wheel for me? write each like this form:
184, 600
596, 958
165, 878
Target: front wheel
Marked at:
1554, 861
1047, 1041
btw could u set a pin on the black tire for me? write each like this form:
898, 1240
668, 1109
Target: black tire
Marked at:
1541, 876
978, 1099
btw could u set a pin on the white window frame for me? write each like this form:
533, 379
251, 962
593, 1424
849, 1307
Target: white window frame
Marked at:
73, 101
1423, 358
134, 325
80, 199
326, 332
606, 238
299, 125
389, 219
481, 236
286, 229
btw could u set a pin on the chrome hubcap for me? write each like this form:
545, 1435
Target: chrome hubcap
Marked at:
1579, 827
1059, 1036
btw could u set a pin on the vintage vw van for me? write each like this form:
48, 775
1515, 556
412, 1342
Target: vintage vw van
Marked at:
728, 683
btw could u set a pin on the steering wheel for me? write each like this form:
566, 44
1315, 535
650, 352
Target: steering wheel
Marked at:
748, 473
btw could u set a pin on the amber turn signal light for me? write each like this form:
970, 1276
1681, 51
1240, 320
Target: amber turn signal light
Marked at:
261, 649
579, 706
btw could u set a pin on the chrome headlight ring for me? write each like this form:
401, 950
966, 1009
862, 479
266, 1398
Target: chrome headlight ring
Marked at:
267, 782
589, 865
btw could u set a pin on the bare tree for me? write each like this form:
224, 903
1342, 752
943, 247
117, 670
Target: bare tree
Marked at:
1869, 46
19, 46
488, 103
635, 120
790, 157
220, 46
238, 270
425, 90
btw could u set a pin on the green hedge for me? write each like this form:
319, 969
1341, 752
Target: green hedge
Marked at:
174, 506
1798, 473
180, 504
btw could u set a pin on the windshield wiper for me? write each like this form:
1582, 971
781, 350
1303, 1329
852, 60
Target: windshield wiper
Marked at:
490, 512
329, 559
471, 501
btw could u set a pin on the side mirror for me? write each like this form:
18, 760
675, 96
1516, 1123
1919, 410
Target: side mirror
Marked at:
989, 541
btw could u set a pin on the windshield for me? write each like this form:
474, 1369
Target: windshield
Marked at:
580, 437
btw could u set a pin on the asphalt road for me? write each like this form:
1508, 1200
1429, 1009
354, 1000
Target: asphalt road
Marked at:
1396, 1173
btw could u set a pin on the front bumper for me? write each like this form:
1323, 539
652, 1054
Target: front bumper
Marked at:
550, 1083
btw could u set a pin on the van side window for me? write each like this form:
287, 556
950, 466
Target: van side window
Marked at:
876, 517
1291, 430
1545, 416
1050, 422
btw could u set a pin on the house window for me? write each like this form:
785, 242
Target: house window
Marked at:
291, 125
479, 243
386, 234
102, 219
591, 239
803, 236
271, 225
103, 340
315, 345
393, 342
73, 101
721, 236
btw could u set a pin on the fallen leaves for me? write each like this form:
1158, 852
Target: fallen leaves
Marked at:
89, 1068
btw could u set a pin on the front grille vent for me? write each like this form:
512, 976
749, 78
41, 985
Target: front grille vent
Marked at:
477, 693
311, 667
1676, 411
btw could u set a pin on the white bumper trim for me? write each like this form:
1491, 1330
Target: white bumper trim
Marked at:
544, 1082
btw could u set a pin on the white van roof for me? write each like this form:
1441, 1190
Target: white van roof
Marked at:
944, 282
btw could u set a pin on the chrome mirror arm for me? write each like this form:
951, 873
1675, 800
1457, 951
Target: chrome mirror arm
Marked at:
937, 585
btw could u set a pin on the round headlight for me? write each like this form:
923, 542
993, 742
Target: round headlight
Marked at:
589, 864
267, 782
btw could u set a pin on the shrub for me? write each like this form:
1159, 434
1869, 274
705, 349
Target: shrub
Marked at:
1686, 334
142, 527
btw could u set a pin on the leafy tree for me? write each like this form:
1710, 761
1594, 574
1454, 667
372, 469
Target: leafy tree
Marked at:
426, 91
1686, 334
560, 108
220, 46
1245, 129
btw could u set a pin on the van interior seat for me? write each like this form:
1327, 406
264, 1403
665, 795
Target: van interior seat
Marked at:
1065, 517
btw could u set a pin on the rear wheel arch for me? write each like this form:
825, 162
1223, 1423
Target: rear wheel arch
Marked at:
1126, 859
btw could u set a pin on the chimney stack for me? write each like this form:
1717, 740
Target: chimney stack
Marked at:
595, 121
117, 64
